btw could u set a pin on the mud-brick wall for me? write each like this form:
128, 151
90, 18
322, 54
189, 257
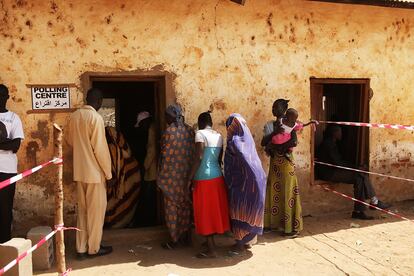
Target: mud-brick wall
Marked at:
238, 58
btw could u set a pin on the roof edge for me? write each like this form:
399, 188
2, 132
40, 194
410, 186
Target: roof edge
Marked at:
381, 3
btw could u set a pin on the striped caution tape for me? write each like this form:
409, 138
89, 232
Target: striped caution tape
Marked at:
366, 204
7, 182
66, 273
367, 172
371, 125
36, 246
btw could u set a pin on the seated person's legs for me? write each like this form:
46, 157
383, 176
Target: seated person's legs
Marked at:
364, 189
350, 177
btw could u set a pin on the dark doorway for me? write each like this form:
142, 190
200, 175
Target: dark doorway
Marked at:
129, 99
123, 100
344, 100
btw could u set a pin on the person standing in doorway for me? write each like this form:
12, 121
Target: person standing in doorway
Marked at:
146, 213
85, 132
8, 162
177, 151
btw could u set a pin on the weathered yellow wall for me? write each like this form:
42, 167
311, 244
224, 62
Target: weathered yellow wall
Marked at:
240, 58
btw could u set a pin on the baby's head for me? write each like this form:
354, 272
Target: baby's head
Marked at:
292, 115
3, 132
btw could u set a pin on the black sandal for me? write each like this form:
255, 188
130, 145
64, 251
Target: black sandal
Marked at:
169, 245
237, 250
291, 235
233, 253
205, 255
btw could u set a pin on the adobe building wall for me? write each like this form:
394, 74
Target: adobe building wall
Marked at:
237, 58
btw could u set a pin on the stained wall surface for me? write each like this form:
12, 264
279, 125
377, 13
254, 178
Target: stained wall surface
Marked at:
236, 58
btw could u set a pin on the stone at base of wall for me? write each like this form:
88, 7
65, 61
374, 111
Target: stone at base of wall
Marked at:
43, 257
10, 251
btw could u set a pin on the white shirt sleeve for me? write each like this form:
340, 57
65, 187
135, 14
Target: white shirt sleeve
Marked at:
199, 137
16, 130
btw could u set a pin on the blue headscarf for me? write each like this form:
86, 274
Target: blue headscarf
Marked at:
175, 111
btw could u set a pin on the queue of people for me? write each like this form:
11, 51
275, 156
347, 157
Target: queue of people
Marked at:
197, 185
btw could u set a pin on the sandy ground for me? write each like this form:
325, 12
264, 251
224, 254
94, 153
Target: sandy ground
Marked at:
327, 246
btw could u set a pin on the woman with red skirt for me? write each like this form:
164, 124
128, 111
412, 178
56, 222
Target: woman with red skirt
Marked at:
211, 214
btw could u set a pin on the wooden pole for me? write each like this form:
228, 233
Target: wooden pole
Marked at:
60, 240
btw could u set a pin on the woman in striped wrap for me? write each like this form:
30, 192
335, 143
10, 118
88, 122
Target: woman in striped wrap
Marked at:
123, 195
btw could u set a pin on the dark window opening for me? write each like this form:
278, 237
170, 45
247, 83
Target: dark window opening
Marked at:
342, 100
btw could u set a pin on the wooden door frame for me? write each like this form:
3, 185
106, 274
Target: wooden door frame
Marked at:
166, 95
314, 82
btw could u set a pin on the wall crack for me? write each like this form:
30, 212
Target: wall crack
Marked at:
215, 29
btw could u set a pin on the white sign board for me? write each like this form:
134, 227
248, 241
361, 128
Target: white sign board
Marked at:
50, 97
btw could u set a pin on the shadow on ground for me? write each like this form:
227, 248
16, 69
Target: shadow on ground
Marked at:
142, 246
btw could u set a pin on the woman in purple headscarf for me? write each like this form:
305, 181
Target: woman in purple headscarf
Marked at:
246, 181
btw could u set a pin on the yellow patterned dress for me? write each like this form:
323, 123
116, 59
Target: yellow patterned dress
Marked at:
283, 210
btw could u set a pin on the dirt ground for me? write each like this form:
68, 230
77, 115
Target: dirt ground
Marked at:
327, 246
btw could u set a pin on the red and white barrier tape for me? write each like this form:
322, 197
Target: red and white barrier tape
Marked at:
366, 204
406, 127
361, 171
66, 273
7, 182
34, 247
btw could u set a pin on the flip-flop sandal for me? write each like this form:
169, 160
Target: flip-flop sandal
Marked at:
291, 235
234, 253
168, 246
203, 255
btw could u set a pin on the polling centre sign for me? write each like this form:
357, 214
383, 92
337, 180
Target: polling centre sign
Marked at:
50, 97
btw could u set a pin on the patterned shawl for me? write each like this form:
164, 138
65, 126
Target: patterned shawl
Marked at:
177, 153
